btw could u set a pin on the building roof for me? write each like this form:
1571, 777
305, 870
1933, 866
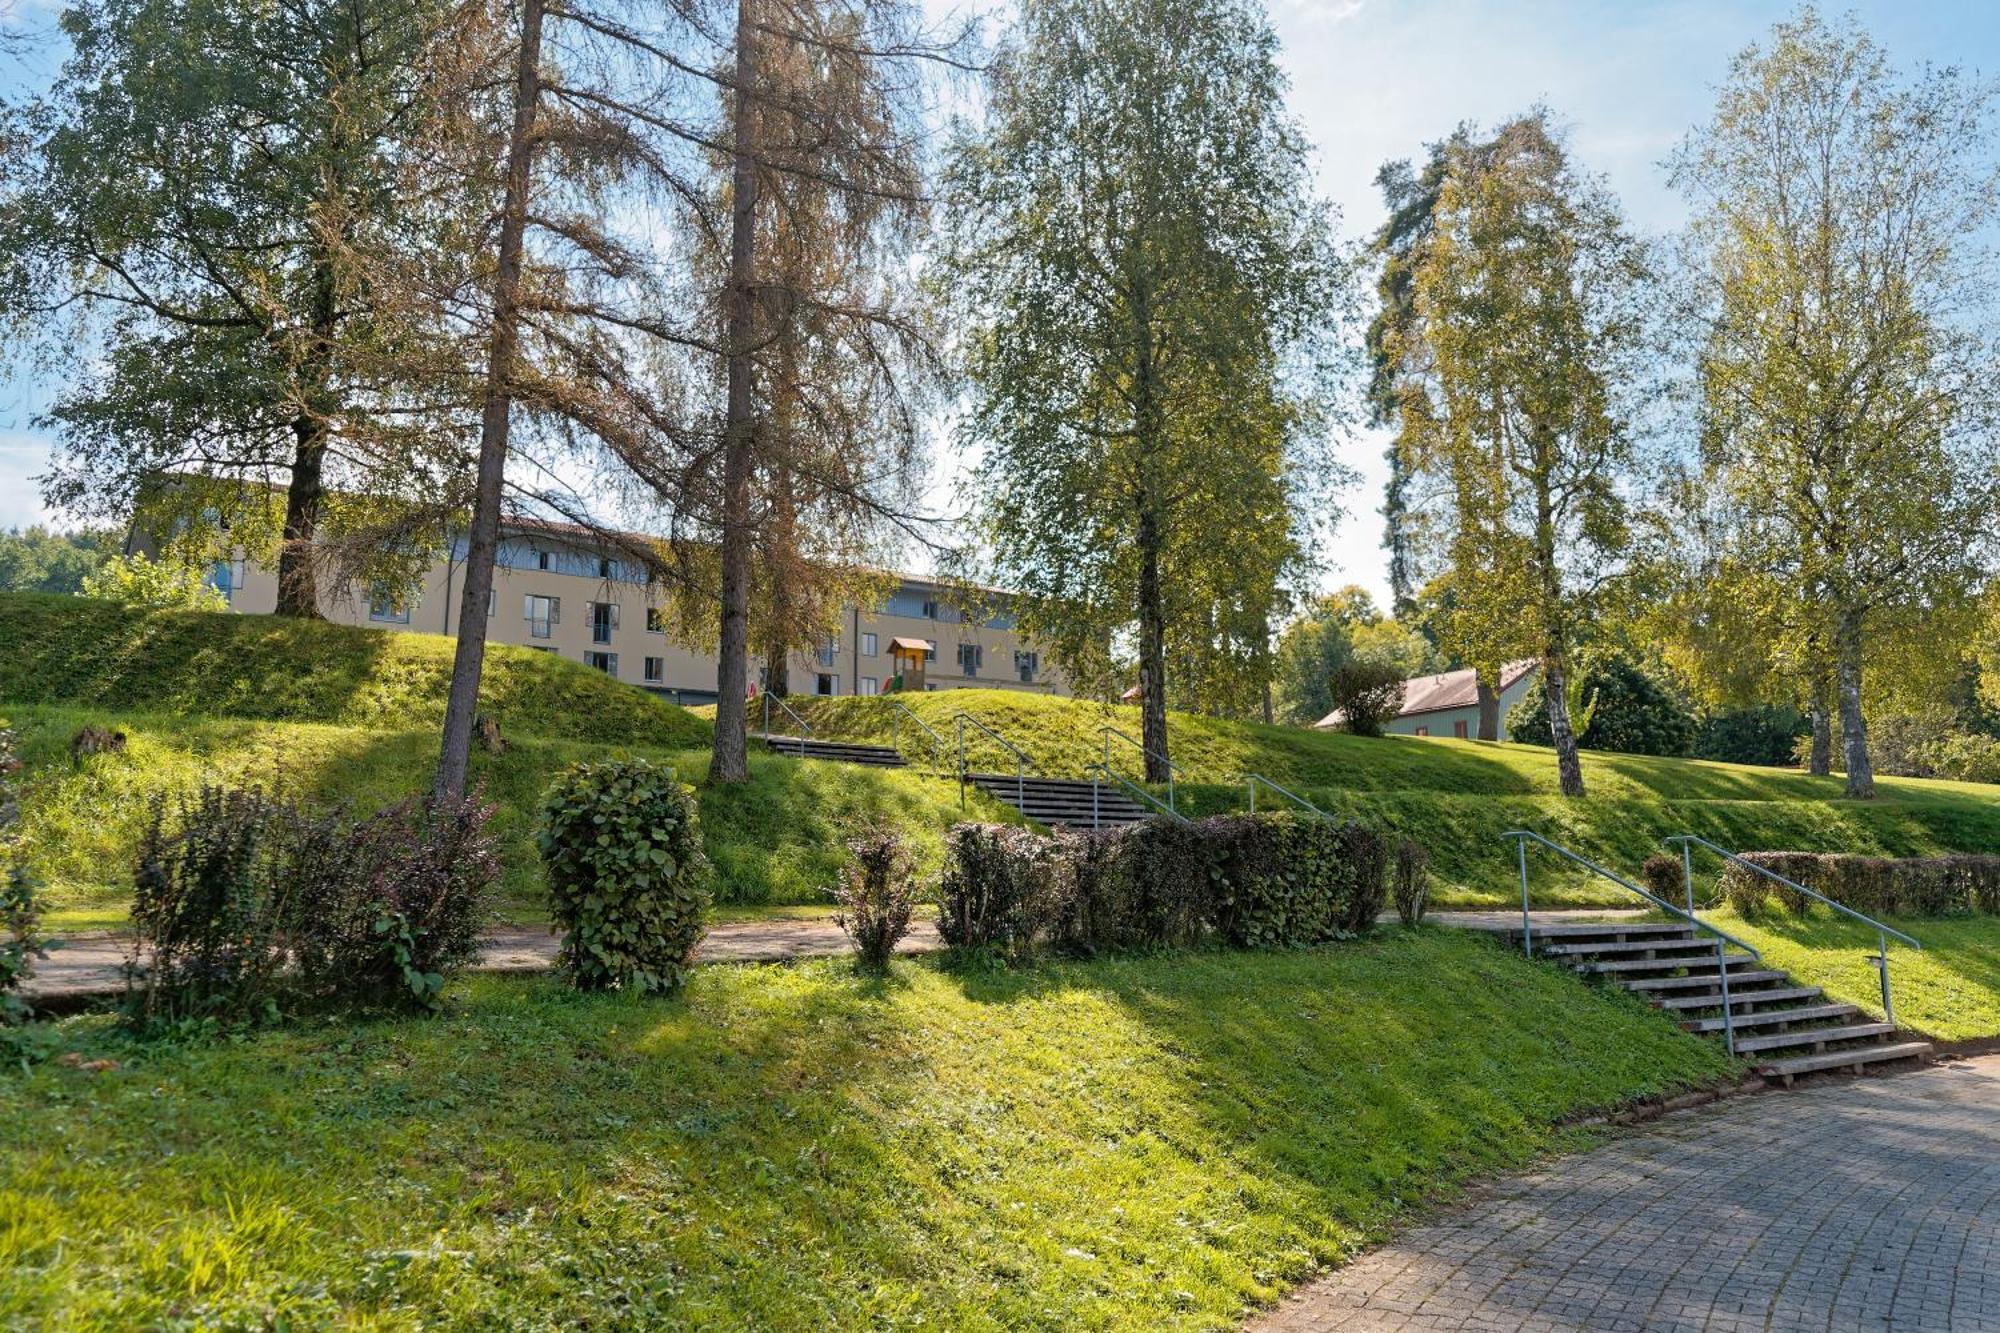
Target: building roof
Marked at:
1447, 689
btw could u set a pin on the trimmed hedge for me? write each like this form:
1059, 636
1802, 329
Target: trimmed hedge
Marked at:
1254, 881
1876, 885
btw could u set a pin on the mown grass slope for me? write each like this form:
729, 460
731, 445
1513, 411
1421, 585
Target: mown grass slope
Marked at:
1140, 1143
77, 652
1458, 797
776, 839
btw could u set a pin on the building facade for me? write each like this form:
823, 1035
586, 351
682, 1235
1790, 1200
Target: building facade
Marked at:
1447, 704
554, 591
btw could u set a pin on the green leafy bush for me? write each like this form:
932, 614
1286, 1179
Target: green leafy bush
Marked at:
1002, 888
1624, 708
1664, 877
876, 895
1875, 885
1411, 881
134, 580
1255, 881
247, 907
1763, 734
21, 939
628, 881
1368, 692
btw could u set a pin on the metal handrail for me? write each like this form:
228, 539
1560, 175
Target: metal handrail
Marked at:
1134, 788
805, 727
1173, 770
940, 747
1880, 959
1021, 761
1252, 779
1521, 837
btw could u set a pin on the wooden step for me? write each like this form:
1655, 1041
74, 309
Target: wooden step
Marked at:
1622, 948
1854, 1058
843, 752
1817, 1038
1738, 999
1735, 962
1618, 930
1712, 982
1811, 1013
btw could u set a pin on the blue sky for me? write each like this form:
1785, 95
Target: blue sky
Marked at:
1375, 79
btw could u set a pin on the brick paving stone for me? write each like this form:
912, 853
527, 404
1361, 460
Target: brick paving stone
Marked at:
1849, 1204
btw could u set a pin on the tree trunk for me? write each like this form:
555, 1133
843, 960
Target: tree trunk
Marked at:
1555, 685
298, 587
1819, 762
1152, 650
1489, 712
1853, 726
728, 761
503, 348
778, 670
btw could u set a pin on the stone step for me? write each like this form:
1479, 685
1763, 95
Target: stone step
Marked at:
1817, 1038
1742, 1001
1613, 930
1853, 1058
1700, 962
1711, 982
845, 752
1810, 1013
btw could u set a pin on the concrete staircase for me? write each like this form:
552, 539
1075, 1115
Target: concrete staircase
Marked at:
846, 752
1053, 801
1784, 1029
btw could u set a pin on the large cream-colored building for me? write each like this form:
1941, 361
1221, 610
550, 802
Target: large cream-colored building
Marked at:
553, 590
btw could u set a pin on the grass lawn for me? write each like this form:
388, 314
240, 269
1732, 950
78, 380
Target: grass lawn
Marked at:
776, 839
1134, 1143
1457, 797
1949, 990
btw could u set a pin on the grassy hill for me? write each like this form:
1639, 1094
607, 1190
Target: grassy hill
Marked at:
77, 652
1458, 797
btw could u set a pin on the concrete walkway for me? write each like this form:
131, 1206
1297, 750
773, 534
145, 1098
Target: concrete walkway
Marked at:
1865, 1204
90, 967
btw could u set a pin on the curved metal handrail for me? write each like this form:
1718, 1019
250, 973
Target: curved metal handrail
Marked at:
1521, 837
1880, 958
1021, 761
1135, 789
1107, 731
1252, 779
805, 727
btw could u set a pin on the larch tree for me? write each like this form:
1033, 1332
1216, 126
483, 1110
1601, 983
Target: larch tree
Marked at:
1144, 277
1522, 335
227, 202
1848, 377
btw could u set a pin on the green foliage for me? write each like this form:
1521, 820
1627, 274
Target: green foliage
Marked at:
37, 560
1332, 631
1875, 885
1142, 1142
1143, 272
876, 895
1255, 881
164, 584
1665, 877
67, 651
628, 881
1368, 694
1629, 710
21, 938
1410, 882
1764, 734
247, 907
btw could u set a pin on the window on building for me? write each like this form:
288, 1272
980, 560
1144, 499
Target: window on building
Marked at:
971, 657
827, 683
868, 645
1423, 731
870, 685
605, 662
229, 575
656, 670
827, 651
930, 653
1027, 665
543, 613
603, 621
541, 560
604, 566
1458, 729
930, 609
384, 605
656, 620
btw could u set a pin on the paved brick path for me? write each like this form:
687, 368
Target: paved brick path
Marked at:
1869, 1204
